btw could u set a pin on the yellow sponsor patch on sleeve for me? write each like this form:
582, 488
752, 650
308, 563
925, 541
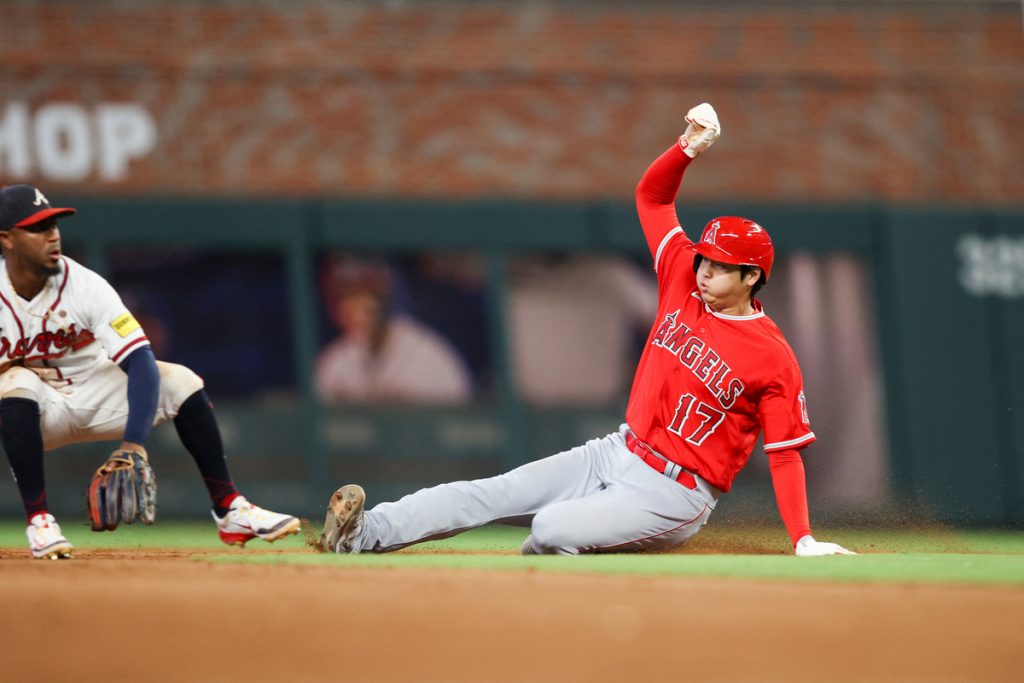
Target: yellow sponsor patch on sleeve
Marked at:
125, 324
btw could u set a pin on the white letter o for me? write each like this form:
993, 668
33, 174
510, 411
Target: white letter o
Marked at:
63, 142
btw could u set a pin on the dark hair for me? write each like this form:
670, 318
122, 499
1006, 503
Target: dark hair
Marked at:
746, 270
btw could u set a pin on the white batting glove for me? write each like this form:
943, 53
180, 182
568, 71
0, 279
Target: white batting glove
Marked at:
808, 547
702, 130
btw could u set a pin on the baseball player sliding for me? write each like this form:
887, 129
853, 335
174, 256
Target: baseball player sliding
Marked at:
76, 366
715, 372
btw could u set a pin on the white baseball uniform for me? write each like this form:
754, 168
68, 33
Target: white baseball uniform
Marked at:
63, 347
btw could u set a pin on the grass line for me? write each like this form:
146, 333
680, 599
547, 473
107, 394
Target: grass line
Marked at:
901, 556
904, 568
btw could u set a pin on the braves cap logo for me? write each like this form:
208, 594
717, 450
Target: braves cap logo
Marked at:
40, 199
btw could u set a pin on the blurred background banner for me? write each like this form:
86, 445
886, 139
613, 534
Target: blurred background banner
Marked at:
397, 239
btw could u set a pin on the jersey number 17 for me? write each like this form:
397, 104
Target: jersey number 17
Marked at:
695, 420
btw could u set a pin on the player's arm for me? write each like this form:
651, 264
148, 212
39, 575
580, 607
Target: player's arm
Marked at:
125, 342
123, 489
658, 187
790, 484
143, 394
787, 430
789, 481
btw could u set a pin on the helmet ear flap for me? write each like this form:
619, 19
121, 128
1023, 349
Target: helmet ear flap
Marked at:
737, 240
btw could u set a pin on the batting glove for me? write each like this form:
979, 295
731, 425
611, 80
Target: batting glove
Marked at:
702, 130
808, 547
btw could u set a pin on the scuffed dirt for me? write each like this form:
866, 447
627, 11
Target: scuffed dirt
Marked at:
160, 615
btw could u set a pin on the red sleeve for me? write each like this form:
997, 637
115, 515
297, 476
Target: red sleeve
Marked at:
790, 492
656, 196
783, 409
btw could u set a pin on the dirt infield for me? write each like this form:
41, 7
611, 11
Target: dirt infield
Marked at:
162, 616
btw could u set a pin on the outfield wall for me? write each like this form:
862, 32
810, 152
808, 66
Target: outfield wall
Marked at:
449, 99
948, 296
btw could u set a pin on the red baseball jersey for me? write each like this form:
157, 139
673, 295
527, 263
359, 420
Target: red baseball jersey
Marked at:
707, 383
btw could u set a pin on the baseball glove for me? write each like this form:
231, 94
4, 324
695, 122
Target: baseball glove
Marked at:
123, 489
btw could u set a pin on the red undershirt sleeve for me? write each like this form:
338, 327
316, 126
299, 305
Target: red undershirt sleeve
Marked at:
787, 468
656, 196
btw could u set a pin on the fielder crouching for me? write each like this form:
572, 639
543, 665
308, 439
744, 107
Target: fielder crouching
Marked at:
715, 373
76, 366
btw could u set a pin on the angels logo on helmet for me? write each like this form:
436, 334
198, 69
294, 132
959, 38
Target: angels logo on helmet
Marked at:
711, 232
736, 240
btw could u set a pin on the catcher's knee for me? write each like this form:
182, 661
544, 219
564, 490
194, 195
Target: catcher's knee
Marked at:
177, 382
19, 382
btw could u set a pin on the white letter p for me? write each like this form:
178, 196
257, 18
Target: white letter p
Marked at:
126, 131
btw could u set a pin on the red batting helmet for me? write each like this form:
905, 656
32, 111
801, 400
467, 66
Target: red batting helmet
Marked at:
740, 241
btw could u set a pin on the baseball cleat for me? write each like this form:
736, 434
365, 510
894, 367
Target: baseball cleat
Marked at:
527, 547
344, 519
45, 540
246, 521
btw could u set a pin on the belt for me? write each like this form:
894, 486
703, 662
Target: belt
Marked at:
659, 462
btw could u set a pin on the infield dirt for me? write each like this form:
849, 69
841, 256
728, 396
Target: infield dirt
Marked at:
163, 616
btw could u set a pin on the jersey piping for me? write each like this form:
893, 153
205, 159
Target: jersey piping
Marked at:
809, 436
21, 329
726, 316
660, 533
60, 290
53, 307
736, 318
24, 347
128, 346
664, 240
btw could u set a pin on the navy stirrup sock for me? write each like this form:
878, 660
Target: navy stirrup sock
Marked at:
22, 438
198, 431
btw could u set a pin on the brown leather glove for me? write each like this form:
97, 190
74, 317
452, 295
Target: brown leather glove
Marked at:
123, 489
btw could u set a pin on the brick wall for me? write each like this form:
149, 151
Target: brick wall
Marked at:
921, 102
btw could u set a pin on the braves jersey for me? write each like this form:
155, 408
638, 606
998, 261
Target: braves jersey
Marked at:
74, 325
707, 383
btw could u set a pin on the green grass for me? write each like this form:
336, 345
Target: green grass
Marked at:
163, 534
915, 568
901, 555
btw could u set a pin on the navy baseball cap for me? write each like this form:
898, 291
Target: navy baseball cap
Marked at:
23, 205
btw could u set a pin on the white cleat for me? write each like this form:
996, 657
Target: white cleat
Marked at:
246, 521
45, 540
